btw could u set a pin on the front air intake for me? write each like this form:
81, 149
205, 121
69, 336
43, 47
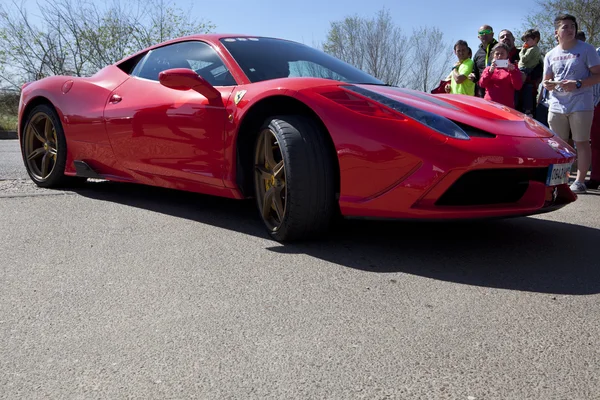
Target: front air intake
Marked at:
491, 186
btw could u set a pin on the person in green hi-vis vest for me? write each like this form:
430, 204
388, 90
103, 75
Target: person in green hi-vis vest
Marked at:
460, 82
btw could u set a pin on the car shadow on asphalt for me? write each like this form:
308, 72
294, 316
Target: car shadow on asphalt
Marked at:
526, 254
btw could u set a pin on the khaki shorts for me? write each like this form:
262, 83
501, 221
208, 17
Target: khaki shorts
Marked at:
578, 123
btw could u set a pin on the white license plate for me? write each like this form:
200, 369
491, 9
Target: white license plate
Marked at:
558, 174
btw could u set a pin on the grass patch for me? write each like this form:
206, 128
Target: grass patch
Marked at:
8, 122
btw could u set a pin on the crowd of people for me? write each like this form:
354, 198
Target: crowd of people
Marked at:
560, 89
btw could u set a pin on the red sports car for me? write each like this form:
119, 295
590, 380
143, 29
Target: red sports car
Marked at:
307, 135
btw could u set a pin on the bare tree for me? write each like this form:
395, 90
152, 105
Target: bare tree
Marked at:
346, 41
166, 22
377, 45
386, 48
22, 41
109, 35
432, 58
63, 28
73, 37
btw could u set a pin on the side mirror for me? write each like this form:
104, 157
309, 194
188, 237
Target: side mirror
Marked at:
185, 79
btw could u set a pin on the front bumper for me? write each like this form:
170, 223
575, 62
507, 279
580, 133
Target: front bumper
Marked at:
465, 184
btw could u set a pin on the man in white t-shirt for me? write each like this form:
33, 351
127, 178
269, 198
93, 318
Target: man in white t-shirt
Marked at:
571, 69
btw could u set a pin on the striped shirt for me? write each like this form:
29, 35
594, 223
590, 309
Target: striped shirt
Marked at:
597, 87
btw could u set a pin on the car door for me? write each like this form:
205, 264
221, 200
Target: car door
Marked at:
159, 132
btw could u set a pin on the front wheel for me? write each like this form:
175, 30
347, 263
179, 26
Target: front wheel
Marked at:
294, 178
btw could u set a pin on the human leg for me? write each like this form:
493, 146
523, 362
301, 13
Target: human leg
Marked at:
581, 125
527, 99
559, 124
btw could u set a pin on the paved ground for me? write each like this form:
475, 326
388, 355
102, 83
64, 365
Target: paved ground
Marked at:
120, 291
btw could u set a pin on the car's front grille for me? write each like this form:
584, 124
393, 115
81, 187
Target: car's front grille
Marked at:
491, 186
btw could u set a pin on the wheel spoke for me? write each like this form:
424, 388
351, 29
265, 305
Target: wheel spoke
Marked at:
48, 130
46, 164
35, 154
263, 172
278, 169
37, 133
270, 160
268, 203
52, 150
279, 208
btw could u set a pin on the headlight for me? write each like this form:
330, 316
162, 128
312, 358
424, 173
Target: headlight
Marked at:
436, 122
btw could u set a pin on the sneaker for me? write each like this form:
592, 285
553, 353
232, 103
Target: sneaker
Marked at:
578, 187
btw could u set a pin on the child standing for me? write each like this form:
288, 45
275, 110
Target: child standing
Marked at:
530, 57
501, 81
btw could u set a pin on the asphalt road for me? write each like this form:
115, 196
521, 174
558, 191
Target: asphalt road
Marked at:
11, 163
121, 291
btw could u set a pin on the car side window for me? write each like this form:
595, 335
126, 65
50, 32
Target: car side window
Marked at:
194, 55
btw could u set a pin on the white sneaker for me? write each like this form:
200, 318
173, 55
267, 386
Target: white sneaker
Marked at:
578, 187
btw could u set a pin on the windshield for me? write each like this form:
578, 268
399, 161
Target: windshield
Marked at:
266, 58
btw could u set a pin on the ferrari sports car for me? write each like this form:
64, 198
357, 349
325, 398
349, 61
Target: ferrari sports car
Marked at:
310, 137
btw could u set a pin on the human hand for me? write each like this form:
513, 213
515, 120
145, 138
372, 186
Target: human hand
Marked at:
511, 66
472, 77
568, 86
549, 85
493, 66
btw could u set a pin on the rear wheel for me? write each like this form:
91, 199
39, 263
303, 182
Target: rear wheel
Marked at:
294, 178
45, 148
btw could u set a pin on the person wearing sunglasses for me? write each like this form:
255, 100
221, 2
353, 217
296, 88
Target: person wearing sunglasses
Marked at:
483, 56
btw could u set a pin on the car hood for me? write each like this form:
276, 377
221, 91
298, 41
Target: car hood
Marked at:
486, 115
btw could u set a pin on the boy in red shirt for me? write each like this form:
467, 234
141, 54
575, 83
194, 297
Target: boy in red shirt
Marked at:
501, 81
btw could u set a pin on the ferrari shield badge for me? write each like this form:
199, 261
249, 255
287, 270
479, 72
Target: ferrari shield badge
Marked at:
238, 96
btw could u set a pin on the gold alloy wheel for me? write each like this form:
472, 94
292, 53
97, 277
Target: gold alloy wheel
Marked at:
41, 146
271, 188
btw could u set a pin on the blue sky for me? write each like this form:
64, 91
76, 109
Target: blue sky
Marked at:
308, 21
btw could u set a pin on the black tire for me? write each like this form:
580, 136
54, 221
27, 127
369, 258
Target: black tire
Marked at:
302, 178
44, 149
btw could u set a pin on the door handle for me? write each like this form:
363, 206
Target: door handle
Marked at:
115, 98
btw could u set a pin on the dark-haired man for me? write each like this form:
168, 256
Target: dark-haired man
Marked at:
571, 69
508, 39
460, 82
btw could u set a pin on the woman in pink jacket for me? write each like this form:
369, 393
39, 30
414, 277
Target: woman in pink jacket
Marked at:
502, 78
